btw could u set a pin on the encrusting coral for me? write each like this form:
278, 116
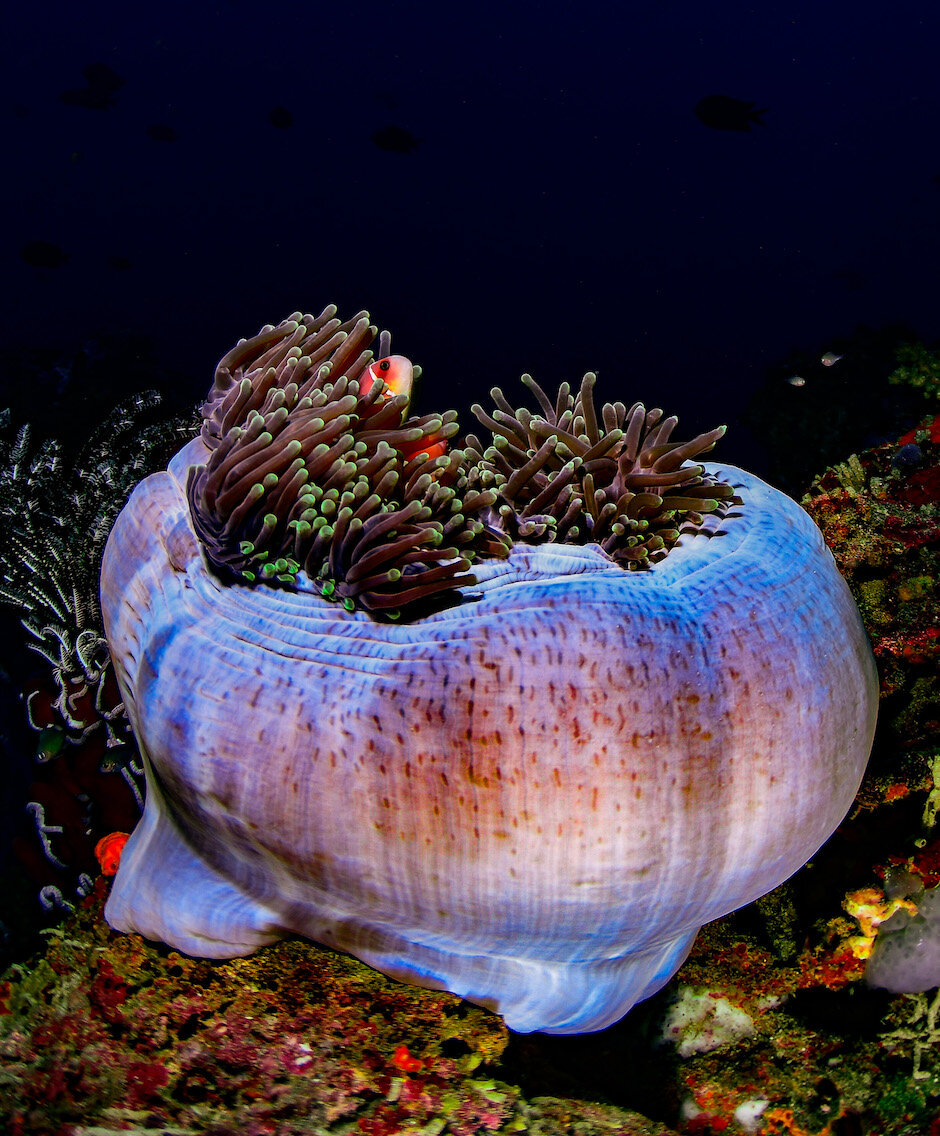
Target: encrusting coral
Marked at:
534, 785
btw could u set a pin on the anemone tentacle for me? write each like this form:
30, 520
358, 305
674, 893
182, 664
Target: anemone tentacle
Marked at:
313, 470
567, 476
316, 467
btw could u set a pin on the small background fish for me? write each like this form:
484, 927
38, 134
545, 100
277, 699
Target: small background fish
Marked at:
721, 112
43, 254
396, 140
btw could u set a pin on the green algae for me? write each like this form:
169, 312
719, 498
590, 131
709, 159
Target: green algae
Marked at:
918, 367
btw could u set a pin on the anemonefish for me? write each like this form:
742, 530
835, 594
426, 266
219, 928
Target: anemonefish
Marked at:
394, 370
435, 450
398, 375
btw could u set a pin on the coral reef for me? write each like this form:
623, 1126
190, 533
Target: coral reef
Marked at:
56, 510
108, 1033
880, 515
918, 367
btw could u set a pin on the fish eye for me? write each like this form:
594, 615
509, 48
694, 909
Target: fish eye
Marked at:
384, 365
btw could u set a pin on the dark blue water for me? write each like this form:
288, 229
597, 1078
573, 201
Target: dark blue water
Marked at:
563, 209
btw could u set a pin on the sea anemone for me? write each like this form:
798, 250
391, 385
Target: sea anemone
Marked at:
627, 690
615, 480
315, 466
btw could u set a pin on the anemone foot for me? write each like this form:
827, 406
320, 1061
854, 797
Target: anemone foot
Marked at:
534, 994
164, 891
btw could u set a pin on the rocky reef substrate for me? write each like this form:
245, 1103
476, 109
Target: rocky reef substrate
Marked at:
770, 1027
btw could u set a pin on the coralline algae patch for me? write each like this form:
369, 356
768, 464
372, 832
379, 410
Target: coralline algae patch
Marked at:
771, 1052
880, 515
109, 1033
700, 1021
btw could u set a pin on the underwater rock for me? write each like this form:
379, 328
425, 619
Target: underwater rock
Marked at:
108, 1032
906, 954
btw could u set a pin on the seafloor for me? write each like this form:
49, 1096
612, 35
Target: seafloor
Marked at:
769, 1027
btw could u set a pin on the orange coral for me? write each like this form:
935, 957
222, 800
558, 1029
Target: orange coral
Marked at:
108, 851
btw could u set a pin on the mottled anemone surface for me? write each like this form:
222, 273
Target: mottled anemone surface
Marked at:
315, 471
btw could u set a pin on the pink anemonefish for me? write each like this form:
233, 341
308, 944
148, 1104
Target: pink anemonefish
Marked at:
394, 370
398, 375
